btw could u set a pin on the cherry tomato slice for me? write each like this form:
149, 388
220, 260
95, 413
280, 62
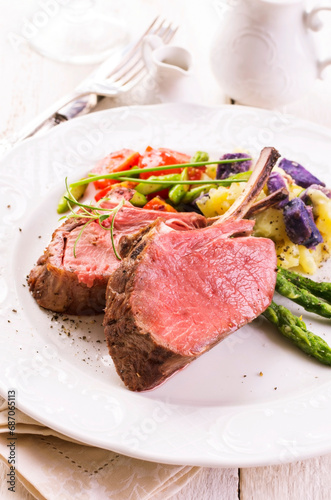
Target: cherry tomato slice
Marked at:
195, 174
159, 157
102, 193
115, 162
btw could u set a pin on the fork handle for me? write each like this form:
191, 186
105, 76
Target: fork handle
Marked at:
51, 116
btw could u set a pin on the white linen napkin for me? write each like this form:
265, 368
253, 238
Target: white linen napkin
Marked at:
52, 466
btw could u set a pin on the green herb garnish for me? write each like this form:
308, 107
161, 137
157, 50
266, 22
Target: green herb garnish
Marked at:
153, 180
92, 213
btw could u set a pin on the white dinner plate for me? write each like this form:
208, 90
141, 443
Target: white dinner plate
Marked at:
220, 410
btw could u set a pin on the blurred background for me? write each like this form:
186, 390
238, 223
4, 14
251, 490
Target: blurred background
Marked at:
31, 82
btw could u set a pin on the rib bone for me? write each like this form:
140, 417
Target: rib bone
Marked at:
263, 167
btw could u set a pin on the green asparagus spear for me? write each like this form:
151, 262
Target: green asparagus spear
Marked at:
178, 191
302, 297
322, 290
200, 156
145, 188
138, 199
296, 331
195, 192
77, 193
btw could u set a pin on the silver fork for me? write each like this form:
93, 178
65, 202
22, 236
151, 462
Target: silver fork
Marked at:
105, 81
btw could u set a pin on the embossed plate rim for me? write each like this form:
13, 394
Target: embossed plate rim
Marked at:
206, 436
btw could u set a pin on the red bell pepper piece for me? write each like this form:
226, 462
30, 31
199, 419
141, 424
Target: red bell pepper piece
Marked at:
158, 204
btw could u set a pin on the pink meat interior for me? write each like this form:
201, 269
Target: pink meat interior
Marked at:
194, 288
94, 253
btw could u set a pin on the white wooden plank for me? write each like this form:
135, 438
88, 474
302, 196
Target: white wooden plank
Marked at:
305, 480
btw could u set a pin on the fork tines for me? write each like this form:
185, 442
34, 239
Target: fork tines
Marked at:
132, 69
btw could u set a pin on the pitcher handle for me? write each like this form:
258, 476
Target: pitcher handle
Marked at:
315, 24
150, 43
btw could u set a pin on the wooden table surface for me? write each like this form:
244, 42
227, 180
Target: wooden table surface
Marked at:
29, 83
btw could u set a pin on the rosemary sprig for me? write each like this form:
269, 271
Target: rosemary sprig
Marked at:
119, 206
92, 213
137, 171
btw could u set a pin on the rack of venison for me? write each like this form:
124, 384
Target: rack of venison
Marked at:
172, 284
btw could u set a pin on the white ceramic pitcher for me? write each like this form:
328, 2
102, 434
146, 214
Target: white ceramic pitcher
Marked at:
171, 66
263, 54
